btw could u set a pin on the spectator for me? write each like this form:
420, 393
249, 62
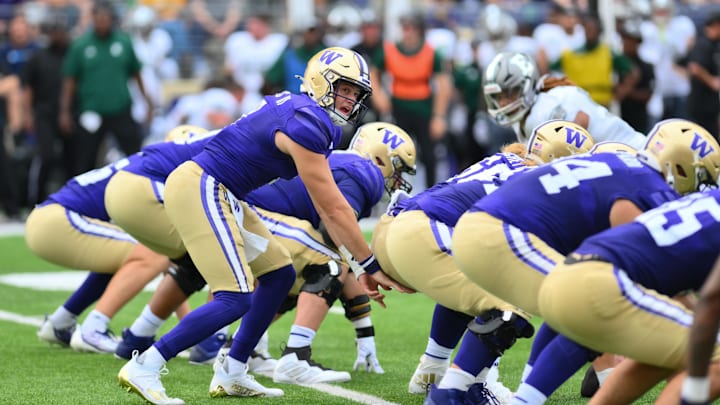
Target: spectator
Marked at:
343, 26
371, 41
414, 67
703, 103
9, 190
561, 32
95, 100
187, 37
41, 82
250, 53
282, 75
667, 38
633, 108
592, 66
20, 45
218, 19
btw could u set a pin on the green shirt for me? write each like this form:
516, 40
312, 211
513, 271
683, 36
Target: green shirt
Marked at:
423, 107
290, 63
101, 68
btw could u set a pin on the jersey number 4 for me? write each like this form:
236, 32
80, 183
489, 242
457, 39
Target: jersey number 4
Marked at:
571, 172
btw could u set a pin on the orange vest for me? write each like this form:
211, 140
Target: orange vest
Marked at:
411, 74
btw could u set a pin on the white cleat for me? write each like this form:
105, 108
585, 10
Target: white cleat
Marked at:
145, 381
503, 394
240, 384
430, 371
296, 367
96, 342
261, 363
49, 333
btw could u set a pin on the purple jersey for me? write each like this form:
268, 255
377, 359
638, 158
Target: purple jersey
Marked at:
359, 180
243, 155
447, 201
568, 200
671, 248
85, 193
159, 159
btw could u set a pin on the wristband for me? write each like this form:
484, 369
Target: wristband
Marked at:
370, 265
696, 390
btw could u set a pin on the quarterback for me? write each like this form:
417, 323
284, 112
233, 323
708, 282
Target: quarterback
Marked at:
516, 94
286, 135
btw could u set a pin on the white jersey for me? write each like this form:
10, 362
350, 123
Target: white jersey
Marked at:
248, 58
565, 102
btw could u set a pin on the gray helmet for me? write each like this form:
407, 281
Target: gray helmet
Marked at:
509, 86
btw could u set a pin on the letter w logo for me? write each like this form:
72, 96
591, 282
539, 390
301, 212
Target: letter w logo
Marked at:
574, 137
701, 145
392, 139
329, 57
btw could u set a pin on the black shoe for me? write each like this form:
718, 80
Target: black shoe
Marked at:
590, 383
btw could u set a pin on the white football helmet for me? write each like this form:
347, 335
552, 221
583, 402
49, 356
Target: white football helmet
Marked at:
323, 73
558, 138
497, 25
509, 86
184, 132
390, 148
612, 147
684, 152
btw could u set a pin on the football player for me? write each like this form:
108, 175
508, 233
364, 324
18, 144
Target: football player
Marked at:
573, 198
287, 135
414, 239
77, 216
68, 229
516, 94
617, 286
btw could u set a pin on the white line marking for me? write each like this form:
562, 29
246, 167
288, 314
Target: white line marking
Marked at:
17, 318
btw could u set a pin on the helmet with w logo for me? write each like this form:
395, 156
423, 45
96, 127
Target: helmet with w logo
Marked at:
325, 70
612, 147
558, 138
684, 152
390, 148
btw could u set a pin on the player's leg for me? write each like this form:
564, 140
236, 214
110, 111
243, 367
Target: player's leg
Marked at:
358, 310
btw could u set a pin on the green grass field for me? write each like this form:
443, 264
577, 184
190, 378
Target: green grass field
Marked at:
34, 373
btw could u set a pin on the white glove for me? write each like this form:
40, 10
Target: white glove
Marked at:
367, 356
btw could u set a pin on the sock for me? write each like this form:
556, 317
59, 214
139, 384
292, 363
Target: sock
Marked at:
272, 289
236, 366
526, 372
560, 360
147, 324
225, 308
456, 379
89, 291
62, 318
490, 375
603, 375
152, 358
300, 336
95, 321
543, 337
527, 394
448, 326
436, 351
473, 356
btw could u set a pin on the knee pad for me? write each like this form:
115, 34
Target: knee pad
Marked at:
186, 275
288, 304
322, 280
500, 329
356, 308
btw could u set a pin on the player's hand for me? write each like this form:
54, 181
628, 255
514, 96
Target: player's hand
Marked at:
367, 356
371, 283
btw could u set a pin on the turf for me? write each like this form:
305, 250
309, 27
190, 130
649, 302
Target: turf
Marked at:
33, 372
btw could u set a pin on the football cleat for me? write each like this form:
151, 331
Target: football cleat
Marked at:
240, 384
206, 351
49, 333
429, 371
479, 394
130, 343
135, 377
296, 367
446, 396
502, 394
261, 362
95, 342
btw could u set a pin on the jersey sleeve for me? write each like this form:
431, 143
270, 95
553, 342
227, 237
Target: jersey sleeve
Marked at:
308, 130
362, 185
